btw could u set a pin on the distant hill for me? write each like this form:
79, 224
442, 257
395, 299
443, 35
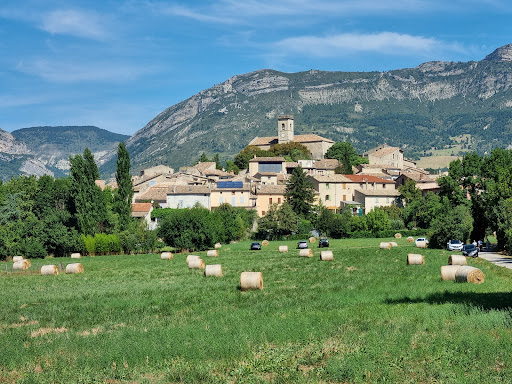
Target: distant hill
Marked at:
435, 105
46, 150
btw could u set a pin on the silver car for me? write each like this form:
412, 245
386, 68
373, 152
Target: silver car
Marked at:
454, 245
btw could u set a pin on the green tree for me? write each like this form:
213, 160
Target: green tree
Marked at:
455, 224
300, 193
345, 153
278, 221
409, 192
124, 193
216, 158
377, 220
203, 158
231, 166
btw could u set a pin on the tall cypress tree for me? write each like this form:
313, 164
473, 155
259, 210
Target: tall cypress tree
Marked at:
300, 193
124, 195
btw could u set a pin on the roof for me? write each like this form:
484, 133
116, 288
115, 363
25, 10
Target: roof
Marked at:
367, 179
245, 187
189, 190
267, 159
263, 140
336, 178
271, 189
420, 177
157, 192
310, 138
384, 151
266, 174
141, 209
326, 164
378, 192
204, 166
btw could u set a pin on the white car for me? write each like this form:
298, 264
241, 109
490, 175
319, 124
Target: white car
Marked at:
454, 245
420, 240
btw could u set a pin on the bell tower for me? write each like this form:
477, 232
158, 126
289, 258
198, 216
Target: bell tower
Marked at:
284, 129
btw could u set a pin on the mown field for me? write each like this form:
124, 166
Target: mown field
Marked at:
367, 317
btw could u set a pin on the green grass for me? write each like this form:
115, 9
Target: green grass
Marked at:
367, 317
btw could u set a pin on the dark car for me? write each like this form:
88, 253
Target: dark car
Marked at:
302, 244
470, 250
255, 246
323, 242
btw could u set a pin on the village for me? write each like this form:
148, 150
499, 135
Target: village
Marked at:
264, 182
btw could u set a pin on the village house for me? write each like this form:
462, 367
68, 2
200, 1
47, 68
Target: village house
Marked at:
267, 165
235, 193
425, 182
341, 190
317, 145
187, 196
143, 212
267, 195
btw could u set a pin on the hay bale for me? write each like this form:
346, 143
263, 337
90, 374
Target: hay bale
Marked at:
448, 272
264, 243
398, 235
421, 244
75, 268
196, 264
410, 239
312, 239
393, 244
17, 258
306, 252
467, 274
415, 259
457, 260
213, 270
191, 257
212, 253
21, 265
384, 245
49, 270
217, 245
283, 248
326, 256
76, 255
251, 280
166, 256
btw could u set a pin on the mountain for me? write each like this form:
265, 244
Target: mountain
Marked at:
435, 105
46, 150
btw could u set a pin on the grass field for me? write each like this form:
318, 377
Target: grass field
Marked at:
367, 317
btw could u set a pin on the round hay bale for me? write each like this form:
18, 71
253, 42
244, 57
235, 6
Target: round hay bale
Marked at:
306, 252
166, 256
251, 280
264, 243
421, 244
49, 270
191, 257
76, 255
17, 258
326, 256
467, 274
415, 259
457, 260
393, 244
212, 253
398, 235
75, 268
283, 248
448, 272
410, 239
218, 245
21, 265
385, 245
196, 264
213, 270
312, 239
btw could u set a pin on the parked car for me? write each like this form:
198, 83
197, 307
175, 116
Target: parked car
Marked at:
302, 244
454, 245
255, 246
470, 250
323, 242
420, 239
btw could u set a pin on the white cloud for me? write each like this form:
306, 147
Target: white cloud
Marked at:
73, 72
73, 22
340, 45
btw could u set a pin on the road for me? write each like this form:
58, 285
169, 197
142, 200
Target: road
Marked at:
496, 258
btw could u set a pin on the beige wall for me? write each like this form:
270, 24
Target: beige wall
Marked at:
237, 198
264, 200
394, 159
318, 148
371, 202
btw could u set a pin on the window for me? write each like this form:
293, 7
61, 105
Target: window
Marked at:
282, 126
278, 200
270, 200
387, 200
221, 199
327, 197
233, 201
344, 197
383, 186
262, 213
344, 185
327, 185
376, 199
242, 199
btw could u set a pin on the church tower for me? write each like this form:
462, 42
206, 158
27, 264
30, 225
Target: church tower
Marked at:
284, 129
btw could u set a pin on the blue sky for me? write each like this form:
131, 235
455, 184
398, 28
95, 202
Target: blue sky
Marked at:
117, 64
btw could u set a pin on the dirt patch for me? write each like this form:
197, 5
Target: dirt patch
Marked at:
93, 332
46, 331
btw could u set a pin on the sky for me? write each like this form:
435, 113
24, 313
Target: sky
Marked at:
116, 64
